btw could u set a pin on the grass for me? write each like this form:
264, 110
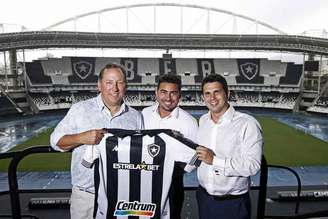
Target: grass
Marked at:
283, 145
39, 162
288, 146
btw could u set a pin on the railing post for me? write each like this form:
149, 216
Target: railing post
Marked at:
263, 189
12, 177
13, 187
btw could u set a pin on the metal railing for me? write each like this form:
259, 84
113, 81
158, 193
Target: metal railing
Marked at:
14, 191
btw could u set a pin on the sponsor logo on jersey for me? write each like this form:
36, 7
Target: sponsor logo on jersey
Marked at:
131, 166
115, 148
135, 208
249, 70
153, 150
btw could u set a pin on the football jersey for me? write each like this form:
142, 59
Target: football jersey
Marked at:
135, 171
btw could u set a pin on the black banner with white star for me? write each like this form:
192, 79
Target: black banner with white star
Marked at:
249, 71
83, 69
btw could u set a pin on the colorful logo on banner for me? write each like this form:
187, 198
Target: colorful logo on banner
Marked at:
82, 69
249, 70
153, 150
135, 208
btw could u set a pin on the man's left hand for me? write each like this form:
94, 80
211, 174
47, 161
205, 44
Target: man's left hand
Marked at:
205, 154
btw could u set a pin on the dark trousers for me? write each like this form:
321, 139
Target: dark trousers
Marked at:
222, 208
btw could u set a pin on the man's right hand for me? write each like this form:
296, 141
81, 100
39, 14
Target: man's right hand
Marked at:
92, 137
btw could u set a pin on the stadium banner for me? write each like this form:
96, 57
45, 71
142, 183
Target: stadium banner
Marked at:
84, 70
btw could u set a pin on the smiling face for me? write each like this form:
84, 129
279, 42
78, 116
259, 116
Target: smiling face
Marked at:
168, 96
112, 86
215, 98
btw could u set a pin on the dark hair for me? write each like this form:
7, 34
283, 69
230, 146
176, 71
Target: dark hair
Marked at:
215, 78
169, 78
109, 66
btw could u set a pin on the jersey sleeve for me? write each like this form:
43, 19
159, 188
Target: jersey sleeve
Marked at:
182, 150
92, 153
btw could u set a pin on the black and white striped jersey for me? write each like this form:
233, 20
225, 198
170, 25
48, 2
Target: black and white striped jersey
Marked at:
135, 172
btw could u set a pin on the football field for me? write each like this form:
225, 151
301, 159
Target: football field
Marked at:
283, 145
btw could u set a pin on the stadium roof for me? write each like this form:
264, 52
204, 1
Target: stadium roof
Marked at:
56, 39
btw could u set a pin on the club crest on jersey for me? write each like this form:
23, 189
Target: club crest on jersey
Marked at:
135, 208
249, 70
153, 150
82, 69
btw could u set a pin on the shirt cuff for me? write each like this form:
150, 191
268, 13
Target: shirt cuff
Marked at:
218, 165
54, 138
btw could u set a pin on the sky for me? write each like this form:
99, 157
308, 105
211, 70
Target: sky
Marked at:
291, 16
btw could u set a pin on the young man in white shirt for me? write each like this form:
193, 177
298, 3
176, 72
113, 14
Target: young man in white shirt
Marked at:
231, 153
166, 114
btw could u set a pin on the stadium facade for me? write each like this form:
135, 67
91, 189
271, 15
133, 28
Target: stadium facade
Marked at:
55, 83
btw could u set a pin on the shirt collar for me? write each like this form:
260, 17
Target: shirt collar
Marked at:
227, 116
102, 106
174, 113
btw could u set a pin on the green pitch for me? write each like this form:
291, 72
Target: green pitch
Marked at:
287, 146
40, 162
283, 145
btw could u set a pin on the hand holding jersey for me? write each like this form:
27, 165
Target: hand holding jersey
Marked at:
205, 154
92, 137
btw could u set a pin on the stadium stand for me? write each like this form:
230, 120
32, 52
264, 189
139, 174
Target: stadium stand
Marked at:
36, 74
148, 69
83, 95
228, 68
62, 97
248, 97
270, 97
253, 82
232, 97
322, 101
320, 106
102, 61
293, 75
6, 107
289, 99
41, 99
187, 69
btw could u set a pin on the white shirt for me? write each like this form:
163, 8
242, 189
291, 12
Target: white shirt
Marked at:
236, 140
87, 115
178, 120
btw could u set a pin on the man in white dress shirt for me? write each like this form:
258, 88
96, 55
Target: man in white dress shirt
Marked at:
166, 114
231, 152
82, 127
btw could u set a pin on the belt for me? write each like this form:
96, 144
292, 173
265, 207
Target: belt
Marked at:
224, 197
